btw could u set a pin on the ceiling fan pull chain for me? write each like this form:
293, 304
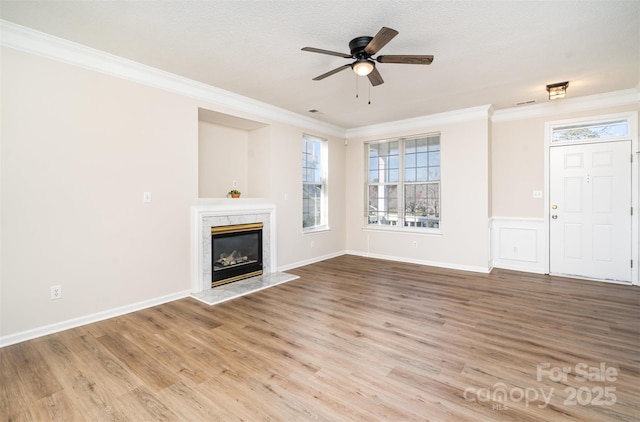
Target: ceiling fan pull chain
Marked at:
356, 87
369, 94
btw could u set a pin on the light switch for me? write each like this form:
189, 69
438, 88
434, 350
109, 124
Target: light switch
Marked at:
146, 197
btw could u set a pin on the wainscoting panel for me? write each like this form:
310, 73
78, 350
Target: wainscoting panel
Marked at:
518, 244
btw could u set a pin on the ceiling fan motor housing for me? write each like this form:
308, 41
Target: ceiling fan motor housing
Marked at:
357, 46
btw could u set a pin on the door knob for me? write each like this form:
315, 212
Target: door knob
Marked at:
554, 216
553, 207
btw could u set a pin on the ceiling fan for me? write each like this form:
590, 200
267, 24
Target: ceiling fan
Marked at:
363, 49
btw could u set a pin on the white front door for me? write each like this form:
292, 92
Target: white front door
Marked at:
590, 215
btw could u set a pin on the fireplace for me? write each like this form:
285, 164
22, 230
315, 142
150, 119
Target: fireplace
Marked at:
216, 213
211, 213
236, 252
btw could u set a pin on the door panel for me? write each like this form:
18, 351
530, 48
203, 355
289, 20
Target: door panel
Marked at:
573, 241
590, 197
603, 243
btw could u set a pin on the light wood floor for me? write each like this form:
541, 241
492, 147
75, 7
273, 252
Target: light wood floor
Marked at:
351, 339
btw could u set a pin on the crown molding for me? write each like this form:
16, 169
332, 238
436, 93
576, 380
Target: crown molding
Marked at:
34, 42
38, 43
570, 105
419, 123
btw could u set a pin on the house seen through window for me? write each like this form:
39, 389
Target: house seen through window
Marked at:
314, 183
403, 182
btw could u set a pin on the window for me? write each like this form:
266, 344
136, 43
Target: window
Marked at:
591, 131
403, 186
314, 183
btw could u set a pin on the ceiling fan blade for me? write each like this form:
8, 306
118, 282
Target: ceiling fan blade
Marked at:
331, 72
331, 53
380, 40
375, 78
406, 59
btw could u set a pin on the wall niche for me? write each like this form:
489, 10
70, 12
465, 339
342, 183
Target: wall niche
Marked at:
224, 153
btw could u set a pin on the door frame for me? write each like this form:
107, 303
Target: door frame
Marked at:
632, 118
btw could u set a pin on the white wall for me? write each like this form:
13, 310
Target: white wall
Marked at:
222, 159
79, 148
294, 247
260, 162
463, 241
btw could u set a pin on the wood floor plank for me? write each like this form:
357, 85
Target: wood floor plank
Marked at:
190, 403
139, 361
55, 407
146, 405
25, 377
353, 338
95, 397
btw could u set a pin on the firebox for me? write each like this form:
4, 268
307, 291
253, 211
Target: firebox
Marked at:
236, 252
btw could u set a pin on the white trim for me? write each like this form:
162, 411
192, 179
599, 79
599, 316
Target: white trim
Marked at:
41, 44
316, 230
569, 105
88, 319
470, 268
518, 244
311, 261
420, 123
632, 117
427, 231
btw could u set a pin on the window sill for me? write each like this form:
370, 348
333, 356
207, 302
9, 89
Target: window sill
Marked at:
315, 230
397, 229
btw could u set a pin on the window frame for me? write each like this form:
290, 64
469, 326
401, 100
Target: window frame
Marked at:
586, 131
323, 184
402, 223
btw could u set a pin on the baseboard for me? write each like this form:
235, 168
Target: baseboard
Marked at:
88, 319
521, 268
470, 268
311, 261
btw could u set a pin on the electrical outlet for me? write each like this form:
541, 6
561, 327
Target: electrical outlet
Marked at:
56, 292
415, 243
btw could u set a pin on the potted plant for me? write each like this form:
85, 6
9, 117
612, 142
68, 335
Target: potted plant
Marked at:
234, 193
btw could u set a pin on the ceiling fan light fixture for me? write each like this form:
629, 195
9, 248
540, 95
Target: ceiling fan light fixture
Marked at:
557, 90
363, 67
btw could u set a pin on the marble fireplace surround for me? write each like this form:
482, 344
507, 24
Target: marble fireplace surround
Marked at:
224, 212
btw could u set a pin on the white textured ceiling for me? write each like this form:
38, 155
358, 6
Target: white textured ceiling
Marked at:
486, 52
